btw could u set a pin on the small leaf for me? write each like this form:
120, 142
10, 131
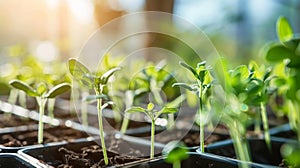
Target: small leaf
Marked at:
77, 69
200, 64
167, 110
41, 88
184, 85
58, 89
284, 29
24, 87
135, 109
108, 74
175, 152
189, 68
107, 104
277, 53
150, 106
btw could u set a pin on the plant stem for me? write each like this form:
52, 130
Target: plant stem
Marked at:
125, 123
41, 102
101, 132
265, 125
257, 122
152, 139
22, 99
177, 164
84, 105
200, 118
50, 108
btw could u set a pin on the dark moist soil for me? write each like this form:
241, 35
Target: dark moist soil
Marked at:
52, 134
12, 120
92, 156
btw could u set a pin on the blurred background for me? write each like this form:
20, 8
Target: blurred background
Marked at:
57, 29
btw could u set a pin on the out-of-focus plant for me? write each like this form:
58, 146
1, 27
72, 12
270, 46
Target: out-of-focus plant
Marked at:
287, 52
153, 114
200, 88
175, 152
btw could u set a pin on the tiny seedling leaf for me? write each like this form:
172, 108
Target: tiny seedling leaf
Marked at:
58, 89
284, 29
107, 104
41, 88
150, 106
24, 87
184, 85
135, 109
108, 74
77, 69
189, 68
277, 53
175, 152
168, 110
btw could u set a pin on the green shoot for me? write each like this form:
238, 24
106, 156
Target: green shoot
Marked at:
175, 152
42, 94
98, 82
153, 114
203, 84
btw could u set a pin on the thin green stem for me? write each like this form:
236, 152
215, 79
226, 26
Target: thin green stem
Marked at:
152, 139
265, 125
177, 164
84, 116
41, 101
125, 123
50, 107
22, 99
201, 125
101, 131
257, 123
297, 107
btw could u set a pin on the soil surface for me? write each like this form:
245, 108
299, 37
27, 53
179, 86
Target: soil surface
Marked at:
92, 156
7, 120
51, 134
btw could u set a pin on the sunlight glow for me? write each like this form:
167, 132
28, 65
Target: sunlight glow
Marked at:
82, 10
46, 51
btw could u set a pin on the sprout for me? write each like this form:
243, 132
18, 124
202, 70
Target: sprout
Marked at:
175, 152
153, 114
97, 82
203, 84
42, 94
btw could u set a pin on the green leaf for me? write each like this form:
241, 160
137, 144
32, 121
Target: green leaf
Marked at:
150, 106
58, 89
175, 152
284, 29
189, 68
277, 53
167, 110
184, 85
24, 87
77, 69
108, 74
201, 64
41, 88
135, 109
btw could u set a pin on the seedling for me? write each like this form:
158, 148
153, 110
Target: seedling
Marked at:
203, 84
153, 114
175, 152
42, 94
287, 51
258, 91
98, 82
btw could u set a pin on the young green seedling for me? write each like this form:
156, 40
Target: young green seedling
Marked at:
98, 82
175, 152
203, 84
42, 94
258, 91
153, 114
287, 51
